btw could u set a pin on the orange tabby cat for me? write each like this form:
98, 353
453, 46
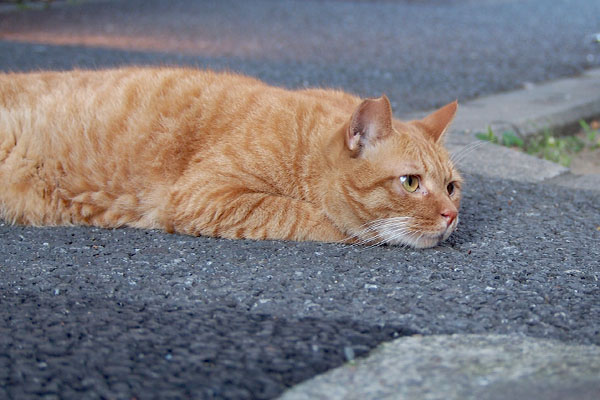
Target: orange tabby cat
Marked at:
218, 154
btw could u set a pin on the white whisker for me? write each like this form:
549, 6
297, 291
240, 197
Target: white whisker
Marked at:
399, 231
459, 156
385, 231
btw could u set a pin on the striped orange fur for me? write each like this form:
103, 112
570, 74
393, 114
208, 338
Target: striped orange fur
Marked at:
219, 154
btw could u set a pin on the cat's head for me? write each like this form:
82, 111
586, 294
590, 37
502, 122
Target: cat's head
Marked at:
395, 182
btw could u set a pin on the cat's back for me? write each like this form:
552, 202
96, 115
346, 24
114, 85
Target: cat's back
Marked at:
122, 132
107, 114
129, 133
143, 104
20, 89
106, 96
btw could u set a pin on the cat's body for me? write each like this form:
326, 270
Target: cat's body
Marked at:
214, 154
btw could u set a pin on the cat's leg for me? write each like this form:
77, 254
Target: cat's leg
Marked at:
244, 214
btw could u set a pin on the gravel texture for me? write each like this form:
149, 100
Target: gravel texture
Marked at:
91, 347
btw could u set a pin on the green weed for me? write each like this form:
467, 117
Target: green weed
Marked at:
507, 138
559, 149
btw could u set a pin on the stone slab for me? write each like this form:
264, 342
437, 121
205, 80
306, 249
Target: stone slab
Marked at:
482, 367
558, 105
484, 158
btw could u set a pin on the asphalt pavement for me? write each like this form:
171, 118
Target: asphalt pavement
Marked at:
96, 313
421, 53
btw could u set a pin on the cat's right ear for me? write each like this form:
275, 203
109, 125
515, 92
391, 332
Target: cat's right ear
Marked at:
370, 122
436, 124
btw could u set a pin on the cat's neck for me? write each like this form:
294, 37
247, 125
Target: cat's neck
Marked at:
323, 158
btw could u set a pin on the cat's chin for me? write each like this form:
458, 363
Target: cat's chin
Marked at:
424, 240
421, 242
396, 231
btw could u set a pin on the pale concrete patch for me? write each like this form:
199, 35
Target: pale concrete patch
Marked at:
463, 367
587, 182
492, 160
559, 105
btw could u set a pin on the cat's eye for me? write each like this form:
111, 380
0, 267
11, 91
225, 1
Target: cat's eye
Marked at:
410, 183
450, 188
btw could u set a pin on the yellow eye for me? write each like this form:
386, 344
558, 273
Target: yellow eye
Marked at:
410, 183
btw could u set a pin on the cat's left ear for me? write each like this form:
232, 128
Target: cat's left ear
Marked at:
436, 124
370, 122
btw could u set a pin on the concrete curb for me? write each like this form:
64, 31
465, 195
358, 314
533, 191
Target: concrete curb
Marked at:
558, 105
493, 367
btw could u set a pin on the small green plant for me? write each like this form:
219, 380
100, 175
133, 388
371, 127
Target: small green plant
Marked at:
507, 138
511, 139
29, 5
557, 149
547, 145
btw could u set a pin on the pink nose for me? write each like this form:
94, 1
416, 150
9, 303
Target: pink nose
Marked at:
449, 216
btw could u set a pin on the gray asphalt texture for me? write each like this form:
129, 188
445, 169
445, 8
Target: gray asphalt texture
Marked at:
422, 54
93, 313
129, 312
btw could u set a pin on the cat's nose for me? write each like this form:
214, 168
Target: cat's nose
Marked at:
449, 216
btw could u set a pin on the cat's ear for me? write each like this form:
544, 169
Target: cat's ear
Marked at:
436, 124
370, 122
